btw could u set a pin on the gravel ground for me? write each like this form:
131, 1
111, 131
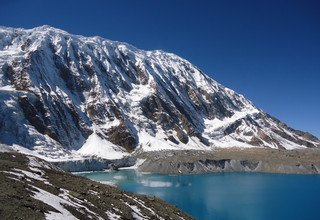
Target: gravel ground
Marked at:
302, 161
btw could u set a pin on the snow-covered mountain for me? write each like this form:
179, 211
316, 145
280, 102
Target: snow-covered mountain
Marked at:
65, 96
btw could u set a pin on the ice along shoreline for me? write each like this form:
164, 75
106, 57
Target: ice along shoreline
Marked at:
300, 161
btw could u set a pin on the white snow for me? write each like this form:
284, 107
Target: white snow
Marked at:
58, 202
31, 175
28, 175
36, 163
79, 203
55, 202
13, 173
139, 92
142, 204
5, 148
158, 142
113, 216
136, 214
7, 88
97, 146
138, 163
216, 124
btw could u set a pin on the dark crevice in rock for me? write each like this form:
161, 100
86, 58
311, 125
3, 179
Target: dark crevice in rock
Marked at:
32, 115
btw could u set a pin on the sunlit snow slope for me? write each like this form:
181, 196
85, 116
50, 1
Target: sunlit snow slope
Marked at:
63, 96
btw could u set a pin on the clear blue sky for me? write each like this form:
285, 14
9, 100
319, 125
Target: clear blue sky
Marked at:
268, 51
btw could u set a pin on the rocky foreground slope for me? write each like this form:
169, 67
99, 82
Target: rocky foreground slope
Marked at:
65, 96
31, 188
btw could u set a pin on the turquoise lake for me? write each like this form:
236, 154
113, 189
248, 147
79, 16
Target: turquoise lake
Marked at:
227, 196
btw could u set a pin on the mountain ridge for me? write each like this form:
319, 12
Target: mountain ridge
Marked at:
117, 99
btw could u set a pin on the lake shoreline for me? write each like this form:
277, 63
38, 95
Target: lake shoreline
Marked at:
302, 161
265, 160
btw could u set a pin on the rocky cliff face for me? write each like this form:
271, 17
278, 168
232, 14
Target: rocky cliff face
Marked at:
64, 96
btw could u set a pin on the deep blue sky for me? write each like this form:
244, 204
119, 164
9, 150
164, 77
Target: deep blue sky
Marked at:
268, 51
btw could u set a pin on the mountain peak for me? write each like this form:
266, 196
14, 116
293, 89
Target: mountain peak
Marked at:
70, 96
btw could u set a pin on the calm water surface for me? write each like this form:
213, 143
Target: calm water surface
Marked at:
222, 196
